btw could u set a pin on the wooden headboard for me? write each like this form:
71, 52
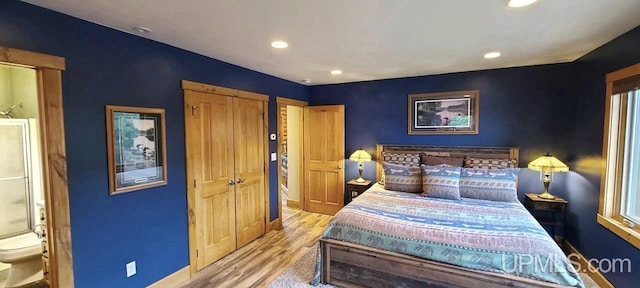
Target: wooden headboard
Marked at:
447, 151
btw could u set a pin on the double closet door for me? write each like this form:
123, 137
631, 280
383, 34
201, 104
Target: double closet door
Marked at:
226, 173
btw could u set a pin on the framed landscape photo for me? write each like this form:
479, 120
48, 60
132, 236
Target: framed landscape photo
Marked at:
136, 148
444, 113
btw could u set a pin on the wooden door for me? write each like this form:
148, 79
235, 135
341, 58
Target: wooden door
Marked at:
210, 164
324, 157
249, 169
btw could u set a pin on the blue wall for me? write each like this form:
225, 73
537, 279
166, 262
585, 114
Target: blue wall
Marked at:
105, 66
583, 184
556, 108
512, 105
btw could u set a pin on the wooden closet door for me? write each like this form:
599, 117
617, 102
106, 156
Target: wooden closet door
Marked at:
210, 150
249, 128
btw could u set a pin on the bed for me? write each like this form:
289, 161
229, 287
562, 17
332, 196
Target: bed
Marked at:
386, 238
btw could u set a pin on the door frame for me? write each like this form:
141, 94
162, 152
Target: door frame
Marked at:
219, 90
54, 157
280, 103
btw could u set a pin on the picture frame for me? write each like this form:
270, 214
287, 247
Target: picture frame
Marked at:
136, 148
453, 112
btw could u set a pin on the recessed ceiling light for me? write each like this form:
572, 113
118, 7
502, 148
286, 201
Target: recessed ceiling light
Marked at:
520, 3
143, 30
279, 44
492, 55
336, 72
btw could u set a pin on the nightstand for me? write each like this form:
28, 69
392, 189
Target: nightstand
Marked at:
546, 212
354, 189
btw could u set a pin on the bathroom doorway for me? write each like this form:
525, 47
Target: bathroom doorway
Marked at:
49, 130
290, 157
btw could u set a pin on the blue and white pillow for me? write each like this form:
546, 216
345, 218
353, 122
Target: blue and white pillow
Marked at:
402, 178
441, 182
490, 184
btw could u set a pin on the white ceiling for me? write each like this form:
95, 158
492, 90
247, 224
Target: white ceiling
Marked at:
367, 39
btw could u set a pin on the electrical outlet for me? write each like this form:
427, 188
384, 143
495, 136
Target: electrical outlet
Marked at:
131, 268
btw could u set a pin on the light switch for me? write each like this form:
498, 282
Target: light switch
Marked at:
274, 156
272, 136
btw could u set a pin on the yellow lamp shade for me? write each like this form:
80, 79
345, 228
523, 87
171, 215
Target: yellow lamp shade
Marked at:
360, 156
548, 163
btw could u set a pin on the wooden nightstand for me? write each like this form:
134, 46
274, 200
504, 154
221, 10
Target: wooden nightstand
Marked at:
546, 212
354, 189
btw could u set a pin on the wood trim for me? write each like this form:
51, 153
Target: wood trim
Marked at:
454, 151
190, 174
609, 202
207, 88
31, 59
348, 265
280, 102
255, 96
174, 279
275, 224
623, 73
279, 144
213, 89
56, 189
293, 102
628, 234
267, 158
590, 269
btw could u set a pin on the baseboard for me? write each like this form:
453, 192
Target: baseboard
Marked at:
590, 270
295, 204
174, 279
275, 224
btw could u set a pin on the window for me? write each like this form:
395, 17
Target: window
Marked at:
619, 209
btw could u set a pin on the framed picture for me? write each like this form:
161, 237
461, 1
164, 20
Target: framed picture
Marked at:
136, 148
444, 113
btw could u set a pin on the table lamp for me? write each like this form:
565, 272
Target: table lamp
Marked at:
547, 164
360, 156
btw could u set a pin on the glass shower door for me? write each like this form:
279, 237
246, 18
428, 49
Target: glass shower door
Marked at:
14, 178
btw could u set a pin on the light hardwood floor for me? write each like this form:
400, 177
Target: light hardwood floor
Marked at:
288, 211
260, 262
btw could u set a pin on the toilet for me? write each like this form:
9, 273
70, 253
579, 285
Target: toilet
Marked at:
24, 253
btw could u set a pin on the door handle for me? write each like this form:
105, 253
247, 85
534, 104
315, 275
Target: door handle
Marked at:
339, 167
231, 183
240, 180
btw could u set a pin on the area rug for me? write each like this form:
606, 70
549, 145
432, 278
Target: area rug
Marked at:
301, 273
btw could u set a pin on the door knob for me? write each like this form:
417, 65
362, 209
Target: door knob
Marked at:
231, 182
240, 180
339, 166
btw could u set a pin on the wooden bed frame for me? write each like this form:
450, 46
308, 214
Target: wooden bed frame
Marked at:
352, 265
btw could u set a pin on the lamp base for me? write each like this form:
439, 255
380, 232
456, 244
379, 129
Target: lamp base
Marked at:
546, 195
360, 180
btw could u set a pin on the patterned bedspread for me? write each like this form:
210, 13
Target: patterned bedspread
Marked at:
493, 236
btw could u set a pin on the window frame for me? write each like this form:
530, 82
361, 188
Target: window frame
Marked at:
610, 204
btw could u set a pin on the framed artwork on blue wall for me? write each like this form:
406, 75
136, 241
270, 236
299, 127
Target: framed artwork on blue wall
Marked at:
444, 113
136, 148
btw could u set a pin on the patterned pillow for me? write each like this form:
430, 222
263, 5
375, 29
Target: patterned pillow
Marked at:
480, 163
402, 178
488, 184
441, 182
406, 159
431, 160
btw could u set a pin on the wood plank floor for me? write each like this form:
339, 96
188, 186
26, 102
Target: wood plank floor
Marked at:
288, 211
260, 262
